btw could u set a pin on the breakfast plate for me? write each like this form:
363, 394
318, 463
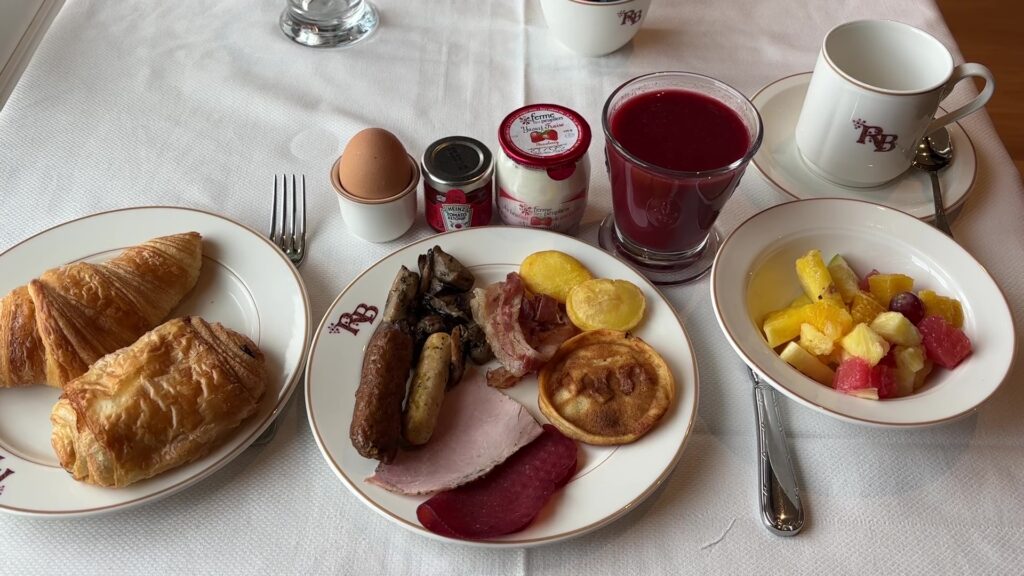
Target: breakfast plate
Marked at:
245, 282
779, 161
610, 481
754, 274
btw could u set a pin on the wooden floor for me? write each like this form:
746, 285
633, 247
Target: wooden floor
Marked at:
989, 32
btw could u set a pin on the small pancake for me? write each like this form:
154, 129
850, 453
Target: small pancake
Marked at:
605, 387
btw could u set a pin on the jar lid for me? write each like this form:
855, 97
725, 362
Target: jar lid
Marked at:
456, 162
544, 136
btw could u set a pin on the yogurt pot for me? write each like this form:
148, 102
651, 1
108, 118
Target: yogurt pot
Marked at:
542, 170
378, 220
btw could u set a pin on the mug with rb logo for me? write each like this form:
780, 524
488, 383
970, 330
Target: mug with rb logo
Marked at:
873, 95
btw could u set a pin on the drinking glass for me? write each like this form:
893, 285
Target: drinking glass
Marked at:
327, 23
662, 219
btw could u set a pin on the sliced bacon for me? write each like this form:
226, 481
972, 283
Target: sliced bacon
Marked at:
523, 331
496, 309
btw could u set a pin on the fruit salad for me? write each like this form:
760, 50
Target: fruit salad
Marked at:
872, 336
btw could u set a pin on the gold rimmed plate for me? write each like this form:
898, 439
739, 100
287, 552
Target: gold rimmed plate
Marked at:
246, 283
610, 481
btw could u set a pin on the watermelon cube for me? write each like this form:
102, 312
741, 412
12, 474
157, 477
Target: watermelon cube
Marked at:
945, 344
857, 377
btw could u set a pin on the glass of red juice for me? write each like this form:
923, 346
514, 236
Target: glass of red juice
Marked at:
676, 146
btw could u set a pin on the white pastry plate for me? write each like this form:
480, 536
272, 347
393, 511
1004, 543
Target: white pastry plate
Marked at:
610, 481
779, 161
246, 283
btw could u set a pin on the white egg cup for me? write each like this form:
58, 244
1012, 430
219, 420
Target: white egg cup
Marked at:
594, 28
380, 220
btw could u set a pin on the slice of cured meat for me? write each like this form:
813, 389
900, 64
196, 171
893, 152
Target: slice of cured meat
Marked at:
510, 497
524, 332
477, 429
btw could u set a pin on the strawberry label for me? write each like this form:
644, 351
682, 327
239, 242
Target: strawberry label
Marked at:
543, 132
560, 217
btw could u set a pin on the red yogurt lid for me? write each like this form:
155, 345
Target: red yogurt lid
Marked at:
544, 136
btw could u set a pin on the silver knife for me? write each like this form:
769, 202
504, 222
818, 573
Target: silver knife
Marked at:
781, 509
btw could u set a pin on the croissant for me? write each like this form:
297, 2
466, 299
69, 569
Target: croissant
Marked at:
52, 329
164, 401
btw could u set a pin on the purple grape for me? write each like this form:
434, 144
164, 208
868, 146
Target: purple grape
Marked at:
909, 305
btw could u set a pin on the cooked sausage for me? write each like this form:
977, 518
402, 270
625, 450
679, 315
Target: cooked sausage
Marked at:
377, 418
427, 391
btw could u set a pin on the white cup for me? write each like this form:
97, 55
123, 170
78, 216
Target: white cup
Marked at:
378, 220
594, 28
874, 93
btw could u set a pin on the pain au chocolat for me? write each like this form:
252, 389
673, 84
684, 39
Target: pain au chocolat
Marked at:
605, 387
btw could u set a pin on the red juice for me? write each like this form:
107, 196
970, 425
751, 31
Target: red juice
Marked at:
674, 131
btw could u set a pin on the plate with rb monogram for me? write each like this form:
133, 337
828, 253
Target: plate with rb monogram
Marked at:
779, 161
610, 480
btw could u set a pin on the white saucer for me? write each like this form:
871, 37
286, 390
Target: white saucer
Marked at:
778, 160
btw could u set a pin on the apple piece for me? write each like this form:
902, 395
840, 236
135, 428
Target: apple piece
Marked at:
807, 364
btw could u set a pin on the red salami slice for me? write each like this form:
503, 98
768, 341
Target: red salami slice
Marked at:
508, 498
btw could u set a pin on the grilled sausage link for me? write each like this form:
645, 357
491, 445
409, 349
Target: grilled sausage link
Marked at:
377, 418
427, 391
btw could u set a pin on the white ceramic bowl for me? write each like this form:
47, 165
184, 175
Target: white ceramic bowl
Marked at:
754, 274
378, 220
594, 28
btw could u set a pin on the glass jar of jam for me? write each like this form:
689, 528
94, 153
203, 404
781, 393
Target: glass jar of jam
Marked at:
457, 175
543, 171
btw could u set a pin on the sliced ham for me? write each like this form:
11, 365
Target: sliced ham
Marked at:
524, 332
508, 498
477, 429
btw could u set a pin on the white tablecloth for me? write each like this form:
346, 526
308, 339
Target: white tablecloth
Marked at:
200, 103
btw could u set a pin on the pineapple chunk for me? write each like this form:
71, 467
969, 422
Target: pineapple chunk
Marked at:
864, 308
866, 393
844, 277
865, 343
814, 341
909, 361
783, 325
801, 300
948, 308
895, 328
807, 364
884, 286
816, 280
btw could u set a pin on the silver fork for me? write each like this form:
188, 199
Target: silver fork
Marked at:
290, 238
291, 241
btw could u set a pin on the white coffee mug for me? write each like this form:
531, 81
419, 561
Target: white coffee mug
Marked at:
594, 28
874, 93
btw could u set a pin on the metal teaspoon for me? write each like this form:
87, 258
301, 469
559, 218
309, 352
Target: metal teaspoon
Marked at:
935, 152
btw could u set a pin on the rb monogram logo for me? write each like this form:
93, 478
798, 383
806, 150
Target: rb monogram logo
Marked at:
876, 135
351, 320
3, 476
630, 17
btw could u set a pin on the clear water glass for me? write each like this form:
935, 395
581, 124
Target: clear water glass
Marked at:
328, 23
